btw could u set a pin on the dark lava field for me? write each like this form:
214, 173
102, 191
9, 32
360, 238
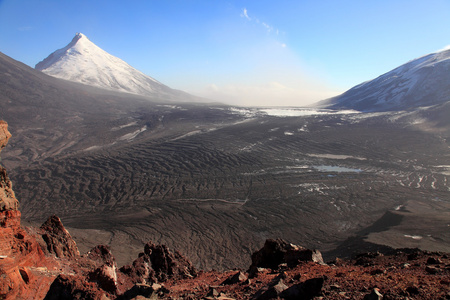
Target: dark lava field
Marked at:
215, 182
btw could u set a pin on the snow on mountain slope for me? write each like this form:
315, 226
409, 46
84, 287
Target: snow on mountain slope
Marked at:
83, 61
421, 82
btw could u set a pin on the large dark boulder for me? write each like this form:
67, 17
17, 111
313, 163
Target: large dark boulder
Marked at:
158, 263
277, 252
66, 287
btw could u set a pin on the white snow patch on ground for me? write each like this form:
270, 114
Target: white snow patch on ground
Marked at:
444, 169
414, 237
338, 169
132, 135
316, 187
288, 133
398, 207
298, 112
336, 156
170, 106
288, 111
246, 112
124, 126
93, 148
194, 132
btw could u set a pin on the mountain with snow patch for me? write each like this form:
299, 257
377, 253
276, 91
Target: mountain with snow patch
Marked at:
83, 61
424, 81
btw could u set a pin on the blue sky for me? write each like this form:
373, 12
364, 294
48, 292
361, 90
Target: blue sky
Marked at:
240, 52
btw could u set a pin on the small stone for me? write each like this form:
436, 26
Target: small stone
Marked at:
377, 272
335, 287
412, 290
212, 293
374, 295
433, 261
236, 278
432, 270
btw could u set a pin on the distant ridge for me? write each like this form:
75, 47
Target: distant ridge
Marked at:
83, 61
424, 81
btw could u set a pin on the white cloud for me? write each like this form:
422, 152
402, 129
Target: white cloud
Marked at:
244, 14
268, 27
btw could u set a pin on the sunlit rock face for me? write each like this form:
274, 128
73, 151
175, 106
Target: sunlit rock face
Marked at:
8, 200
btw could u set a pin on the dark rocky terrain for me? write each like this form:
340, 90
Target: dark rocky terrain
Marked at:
216, 182
45, 263
218, 194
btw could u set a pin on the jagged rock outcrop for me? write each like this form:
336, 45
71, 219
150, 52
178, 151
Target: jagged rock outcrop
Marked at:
158, 263
105, 271
58, 239
168, 264
66, 287
19, 251
277, 252
8, 200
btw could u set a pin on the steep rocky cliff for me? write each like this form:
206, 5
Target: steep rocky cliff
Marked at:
21, 257
8, 201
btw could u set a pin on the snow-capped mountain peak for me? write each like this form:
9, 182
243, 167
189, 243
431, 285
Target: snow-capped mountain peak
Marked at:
423, 81
83, 61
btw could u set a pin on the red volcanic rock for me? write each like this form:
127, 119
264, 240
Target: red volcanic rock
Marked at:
10, 219
167, 264
102, 255
4, 134
74, 287
58, 239
19, 251
158, 263
105, 270
236, 278
277, 252
8, 200
142, 291
272, 291
20, 255
140, 271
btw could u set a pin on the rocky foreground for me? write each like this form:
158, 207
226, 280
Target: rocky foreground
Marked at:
45, 263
